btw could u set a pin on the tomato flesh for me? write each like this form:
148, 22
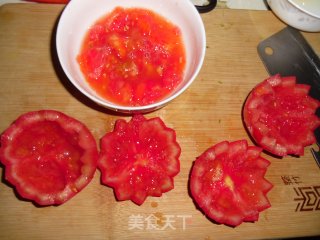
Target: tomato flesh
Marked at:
227, 182
48, 156
139, 158
280, 115
133, 57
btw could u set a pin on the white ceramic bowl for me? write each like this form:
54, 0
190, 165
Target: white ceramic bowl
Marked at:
301, 14
79, 15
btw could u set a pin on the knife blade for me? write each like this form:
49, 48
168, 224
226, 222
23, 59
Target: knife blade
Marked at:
316, 155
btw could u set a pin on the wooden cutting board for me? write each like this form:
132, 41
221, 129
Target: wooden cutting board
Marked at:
207, 113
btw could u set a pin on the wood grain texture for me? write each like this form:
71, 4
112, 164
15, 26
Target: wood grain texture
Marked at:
208, 112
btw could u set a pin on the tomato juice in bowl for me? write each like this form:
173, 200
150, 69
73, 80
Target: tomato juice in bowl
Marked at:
80, 15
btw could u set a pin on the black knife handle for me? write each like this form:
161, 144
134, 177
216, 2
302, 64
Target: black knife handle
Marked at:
207, 8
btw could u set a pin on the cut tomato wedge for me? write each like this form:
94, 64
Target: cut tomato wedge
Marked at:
139, 158
48, 156
280, 116
227, 183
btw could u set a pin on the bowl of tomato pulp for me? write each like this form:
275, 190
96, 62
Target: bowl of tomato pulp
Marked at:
131, 55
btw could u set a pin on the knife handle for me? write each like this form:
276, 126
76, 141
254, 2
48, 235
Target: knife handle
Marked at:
207, 8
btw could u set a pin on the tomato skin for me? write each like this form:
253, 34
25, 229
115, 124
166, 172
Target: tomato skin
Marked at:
48, 156
227, 183
139, 158
280, 116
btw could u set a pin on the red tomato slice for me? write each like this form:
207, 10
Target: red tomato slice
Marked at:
227, 182
280, 116
139, 158
48, 156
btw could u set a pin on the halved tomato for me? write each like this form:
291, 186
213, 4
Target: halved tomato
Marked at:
139, 158
227, 183
280, 115
48, 156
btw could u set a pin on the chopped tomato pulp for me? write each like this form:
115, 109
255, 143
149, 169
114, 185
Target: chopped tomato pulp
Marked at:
133, 57
48, 156
139, 158
227, 182
280, 115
